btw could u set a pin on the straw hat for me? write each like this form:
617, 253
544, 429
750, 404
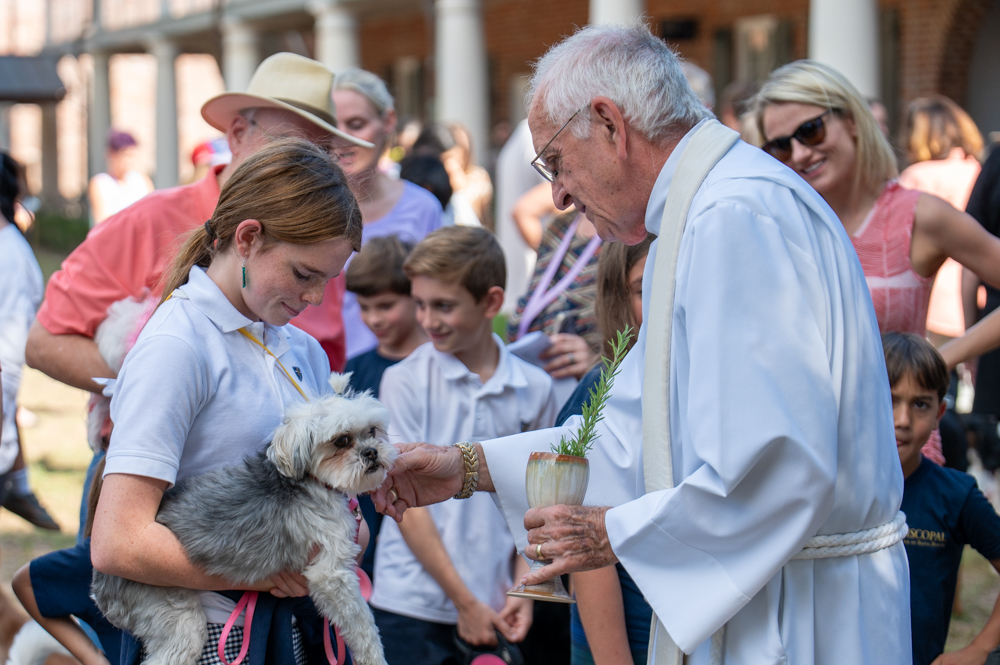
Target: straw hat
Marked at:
288, 82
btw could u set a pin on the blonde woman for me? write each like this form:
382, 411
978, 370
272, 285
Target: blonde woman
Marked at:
816, 122
214, 369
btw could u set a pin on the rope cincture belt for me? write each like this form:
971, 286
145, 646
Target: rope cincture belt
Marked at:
861, 542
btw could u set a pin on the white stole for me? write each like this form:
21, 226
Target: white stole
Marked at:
704, 149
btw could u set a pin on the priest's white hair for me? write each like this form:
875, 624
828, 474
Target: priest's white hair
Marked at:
628, 65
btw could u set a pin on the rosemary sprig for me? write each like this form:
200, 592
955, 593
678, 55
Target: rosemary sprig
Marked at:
593, 409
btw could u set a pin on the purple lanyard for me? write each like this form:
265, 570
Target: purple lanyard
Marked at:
541, 297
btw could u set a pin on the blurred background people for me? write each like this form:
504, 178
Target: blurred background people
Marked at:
881, 115
407, 131
734, 110
701, 82
121, 185
942, 148
514, 177
389, 206
209, 154
21, 292
472, 190
984, 206
429, 173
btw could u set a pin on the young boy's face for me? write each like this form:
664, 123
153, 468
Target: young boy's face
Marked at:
450, 316
916, 412
391, 316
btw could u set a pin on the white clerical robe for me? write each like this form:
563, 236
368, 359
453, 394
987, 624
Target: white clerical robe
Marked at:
781, 429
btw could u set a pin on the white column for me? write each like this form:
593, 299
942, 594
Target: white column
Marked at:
50, 155
166, 113
98, 113
336, 32
603, 12
844, 35
460, 68
240, 53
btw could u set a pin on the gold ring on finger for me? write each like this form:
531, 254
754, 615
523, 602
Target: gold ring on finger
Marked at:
392, 495
538, 551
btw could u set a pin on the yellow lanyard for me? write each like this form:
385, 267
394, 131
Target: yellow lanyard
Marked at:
243, 331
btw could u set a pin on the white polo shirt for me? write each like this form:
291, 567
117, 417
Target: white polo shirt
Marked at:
194, 394
433, 397
20, 294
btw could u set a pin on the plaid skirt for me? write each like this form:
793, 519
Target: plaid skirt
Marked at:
210, 652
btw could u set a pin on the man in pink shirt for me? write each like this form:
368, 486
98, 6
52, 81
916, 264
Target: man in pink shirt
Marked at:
288, 96
126, 255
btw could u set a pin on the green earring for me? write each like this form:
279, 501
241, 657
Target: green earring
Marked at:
244, 272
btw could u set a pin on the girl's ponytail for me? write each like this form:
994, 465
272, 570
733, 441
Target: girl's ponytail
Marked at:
197, 250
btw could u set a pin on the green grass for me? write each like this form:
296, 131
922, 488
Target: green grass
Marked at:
500, 326
58, 233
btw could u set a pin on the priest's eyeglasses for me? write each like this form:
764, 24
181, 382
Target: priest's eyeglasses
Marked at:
810, 133
539, 164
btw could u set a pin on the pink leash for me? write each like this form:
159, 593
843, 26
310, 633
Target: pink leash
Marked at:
249, 601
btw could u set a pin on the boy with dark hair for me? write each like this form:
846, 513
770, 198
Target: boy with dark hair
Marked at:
447, 567
375, 275
944, 508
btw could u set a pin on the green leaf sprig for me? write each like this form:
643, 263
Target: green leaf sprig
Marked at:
593, 409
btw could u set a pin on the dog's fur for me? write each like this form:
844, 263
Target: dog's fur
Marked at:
114, 338
249, 522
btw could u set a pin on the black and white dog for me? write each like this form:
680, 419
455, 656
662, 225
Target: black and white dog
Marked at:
249, 522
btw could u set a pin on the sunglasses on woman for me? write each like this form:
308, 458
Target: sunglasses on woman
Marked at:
810, 133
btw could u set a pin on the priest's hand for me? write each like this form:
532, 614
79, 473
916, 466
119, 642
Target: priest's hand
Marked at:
424, 474
573, 538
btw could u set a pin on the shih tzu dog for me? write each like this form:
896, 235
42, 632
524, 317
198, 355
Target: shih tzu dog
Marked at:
249, 522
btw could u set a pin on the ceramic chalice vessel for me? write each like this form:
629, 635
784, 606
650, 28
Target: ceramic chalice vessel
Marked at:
552, 480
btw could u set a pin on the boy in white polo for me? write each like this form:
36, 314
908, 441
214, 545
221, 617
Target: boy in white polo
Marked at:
448, 567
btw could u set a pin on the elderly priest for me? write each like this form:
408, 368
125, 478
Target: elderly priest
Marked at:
746, 474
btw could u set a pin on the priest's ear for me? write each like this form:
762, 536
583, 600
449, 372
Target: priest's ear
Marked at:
609, 123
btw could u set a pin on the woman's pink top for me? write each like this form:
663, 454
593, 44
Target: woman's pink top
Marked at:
899, 294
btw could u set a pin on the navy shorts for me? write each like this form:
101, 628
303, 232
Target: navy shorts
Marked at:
409, 641
61, 583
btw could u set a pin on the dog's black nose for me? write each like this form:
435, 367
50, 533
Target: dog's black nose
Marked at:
369, 455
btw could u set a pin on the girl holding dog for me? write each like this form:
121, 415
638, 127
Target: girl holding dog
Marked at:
215, 367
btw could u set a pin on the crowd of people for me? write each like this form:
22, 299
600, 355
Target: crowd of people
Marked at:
814, 281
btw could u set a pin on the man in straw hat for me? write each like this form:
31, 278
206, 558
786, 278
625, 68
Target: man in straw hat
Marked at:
752, 414
289, 95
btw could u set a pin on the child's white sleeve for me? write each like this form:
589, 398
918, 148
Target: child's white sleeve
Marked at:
399, 394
